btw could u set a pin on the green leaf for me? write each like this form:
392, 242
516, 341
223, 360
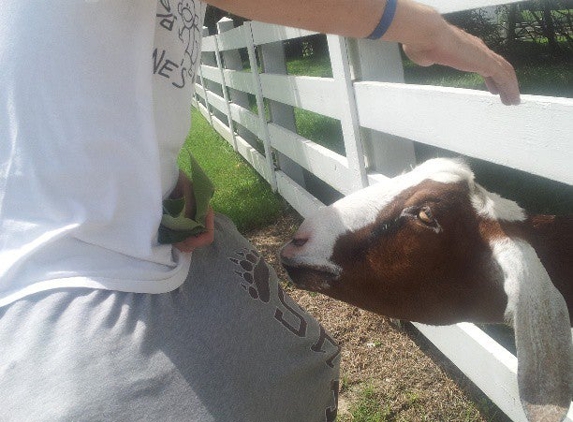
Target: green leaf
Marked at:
175, 227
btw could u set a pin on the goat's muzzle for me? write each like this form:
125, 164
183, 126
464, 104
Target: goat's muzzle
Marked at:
304, 275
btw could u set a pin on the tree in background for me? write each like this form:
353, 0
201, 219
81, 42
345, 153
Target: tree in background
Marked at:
214, 15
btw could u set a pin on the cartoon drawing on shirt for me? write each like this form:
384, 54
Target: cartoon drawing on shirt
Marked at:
189, 34
185, 20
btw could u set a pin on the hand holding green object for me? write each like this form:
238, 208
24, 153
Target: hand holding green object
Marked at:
185, 215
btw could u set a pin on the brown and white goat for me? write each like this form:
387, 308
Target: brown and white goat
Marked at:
433, 246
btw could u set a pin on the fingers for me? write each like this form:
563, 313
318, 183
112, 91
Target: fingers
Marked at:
460, 50
203, 239
503, 82
471, 54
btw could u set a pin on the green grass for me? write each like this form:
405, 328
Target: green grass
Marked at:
240, 192
316, 65
538, 79
368, 407
323, 130
539, 72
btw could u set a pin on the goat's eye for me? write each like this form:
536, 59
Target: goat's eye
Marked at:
426, 216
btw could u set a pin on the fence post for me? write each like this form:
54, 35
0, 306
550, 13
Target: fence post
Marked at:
205, 33
249, 38
341, 72
273, 60
220, 65
232, 60
381, 61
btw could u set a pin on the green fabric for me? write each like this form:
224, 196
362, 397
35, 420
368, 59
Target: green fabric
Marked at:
175, 227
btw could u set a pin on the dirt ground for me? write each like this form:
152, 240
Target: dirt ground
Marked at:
389, 372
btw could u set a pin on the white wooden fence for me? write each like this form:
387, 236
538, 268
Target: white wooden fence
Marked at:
379, 114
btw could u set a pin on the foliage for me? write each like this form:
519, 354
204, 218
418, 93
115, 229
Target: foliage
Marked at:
538, 72
214, 15
480, 23
307, 46
549, 21
537, 21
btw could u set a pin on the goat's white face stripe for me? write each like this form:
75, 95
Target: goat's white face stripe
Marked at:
361, 208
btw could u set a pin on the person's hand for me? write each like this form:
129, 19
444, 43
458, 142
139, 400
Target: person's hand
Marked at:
460, 50
202, 239
184, 188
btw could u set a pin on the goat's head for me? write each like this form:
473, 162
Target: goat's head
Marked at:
435, 247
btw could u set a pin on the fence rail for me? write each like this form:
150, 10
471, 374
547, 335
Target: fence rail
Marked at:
253, 109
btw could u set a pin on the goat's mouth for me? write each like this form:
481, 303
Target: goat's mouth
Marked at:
309, 277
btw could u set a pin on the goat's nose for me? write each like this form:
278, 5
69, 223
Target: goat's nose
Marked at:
292, 248
299, 241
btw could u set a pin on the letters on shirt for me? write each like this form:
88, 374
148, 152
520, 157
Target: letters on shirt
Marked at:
183, 21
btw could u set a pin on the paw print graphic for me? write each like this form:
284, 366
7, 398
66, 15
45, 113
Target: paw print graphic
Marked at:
255, 273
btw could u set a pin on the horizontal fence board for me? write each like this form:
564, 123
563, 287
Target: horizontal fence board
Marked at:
208, 44
211, 73
254, 157
306, 92
202, 109
374, 178
222, 129
267, 33
199, 90
302, 201
239, 80
475, 123
247, 119
217, 102
232, 39
320, 161
449, 6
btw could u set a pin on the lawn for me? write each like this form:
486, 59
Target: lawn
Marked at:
240, 192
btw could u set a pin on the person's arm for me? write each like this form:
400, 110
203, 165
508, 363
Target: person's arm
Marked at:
427, 38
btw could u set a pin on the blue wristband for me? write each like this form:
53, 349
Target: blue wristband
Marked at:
385, 20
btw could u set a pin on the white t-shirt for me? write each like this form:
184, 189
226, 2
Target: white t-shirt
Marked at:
94, 106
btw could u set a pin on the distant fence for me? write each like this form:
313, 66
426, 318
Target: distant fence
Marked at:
245, 93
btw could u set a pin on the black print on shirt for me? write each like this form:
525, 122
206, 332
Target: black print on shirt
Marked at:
183, 19
254, 277
255, 272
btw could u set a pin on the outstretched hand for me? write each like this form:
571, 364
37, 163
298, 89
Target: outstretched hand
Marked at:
460, 50
427, 38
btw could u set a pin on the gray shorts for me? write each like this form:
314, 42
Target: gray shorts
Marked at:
228, 345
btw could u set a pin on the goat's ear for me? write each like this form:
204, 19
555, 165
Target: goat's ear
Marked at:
542, 332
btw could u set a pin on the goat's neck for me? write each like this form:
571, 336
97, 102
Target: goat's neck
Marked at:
552, 238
